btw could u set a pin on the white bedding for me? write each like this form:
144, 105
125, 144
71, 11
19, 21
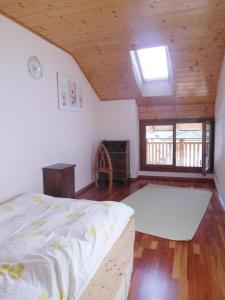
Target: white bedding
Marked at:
51, 247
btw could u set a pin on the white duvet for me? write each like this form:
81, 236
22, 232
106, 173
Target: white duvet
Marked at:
51, 247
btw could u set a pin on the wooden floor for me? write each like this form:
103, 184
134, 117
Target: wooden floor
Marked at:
168, 270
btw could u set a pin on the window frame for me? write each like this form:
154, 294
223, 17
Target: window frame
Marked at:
153, 79
173, 167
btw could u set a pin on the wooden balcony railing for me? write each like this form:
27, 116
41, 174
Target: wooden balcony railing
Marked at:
159, 153
188, 153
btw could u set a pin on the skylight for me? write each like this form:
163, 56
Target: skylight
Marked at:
153, 63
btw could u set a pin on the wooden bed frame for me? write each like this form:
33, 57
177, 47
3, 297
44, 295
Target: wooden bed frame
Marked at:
112, 280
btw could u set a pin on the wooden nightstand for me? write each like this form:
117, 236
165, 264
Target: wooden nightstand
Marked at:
59, 180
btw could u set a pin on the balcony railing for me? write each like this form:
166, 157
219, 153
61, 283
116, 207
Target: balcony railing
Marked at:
188, 153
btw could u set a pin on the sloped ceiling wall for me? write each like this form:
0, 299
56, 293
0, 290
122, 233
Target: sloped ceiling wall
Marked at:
99, 35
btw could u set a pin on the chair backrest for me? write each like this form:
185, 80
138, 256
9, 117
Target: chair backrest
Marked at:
102, 159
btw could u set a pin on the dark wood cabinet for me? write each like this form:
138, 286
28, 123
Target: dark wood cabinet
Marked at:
119, 152
59, 180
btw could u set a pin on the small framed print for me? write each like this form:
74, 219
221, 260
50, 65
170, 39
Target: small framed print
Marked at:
70, 93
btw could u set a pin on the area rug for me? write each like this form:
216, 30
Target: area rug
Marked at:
169, 212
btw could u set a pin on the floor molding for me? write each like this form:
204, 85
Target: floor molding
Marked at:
166, 178
84, 189
133, 179
219, 196
222, 204
163, 178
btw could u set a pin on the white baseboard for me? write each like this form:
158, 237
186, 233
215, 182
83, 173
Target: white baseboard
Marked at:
222, 202
174, 174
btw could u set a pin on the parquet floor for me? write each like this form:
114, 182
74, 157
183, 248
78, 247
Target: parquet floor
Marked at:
169, 270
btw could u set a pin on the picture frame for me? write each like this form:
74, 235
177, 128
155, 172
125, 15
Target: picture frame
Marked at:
70, 93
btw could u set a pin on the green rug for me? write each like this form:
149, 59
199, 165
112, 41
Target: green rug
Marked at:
169, 212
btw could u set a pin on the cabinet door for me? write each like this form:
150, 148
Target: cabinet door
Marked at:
119, 162
52, 184
68, 183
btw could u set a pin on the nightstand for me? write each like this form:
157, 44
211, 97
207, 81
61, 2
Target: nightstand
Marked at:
59, 180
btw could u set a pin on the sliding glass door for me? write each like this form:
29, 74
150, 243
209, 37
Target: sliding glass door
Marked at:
208, 147
189, 144
159, 145
176, 145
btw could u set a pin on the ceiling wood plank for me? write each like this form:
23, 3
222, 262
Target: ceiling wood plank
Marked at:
99, 35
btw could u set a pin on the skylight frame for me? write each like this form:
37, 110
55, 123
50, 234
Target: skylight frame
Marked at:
155, 79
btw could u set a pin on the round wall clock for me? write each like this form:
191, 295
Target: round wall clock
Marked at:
35, 67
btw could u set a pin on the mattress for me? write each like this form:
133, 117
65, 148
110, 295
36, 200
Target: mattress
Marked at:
51, 247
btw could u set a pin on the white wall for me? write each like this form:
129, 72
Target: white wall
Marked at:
219, 156
33, 132
119, 121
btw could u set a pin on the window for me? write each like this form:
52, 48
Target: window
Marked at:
208, 147
189, 144
153, 63
177, 145
159, 143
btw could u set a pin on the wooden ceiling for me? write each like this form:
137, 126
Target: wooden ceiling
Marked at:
100, 33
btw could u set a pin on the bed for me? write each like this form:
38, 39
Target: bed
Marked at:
65, 249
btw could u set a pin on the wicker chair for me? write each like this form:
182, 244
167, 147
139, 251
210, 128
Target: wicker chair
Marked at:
103, 164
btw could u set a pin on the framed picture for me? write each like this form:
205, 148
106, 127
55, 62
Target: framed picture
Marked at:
70, 93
